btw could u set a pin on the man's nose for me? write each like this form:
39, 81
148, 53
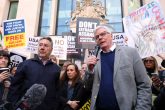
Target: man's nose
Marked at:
42, 47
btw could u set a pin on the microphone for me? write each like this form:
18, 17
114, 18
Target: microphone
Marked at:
97, 48
32, 98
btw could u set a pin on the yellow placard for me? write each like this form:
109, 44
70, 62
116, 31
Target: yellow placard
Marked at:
15, 40
86, 106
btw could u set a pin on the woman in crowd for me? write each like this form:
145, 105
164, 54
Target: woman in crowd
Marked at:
152, 68
69, 88
157, 76
4, 74
63, 69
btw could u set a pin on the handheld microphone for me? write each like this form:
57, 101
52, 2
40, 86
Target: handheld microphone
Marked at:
97, 48
32, 98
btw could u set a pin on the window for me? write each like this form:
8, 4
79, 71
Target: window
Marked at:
13, 9
114, 13
64, 14
134, 4
45, 15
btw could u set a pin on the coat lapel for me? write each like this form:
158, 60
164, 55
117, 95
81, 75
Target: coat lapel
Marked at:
99, 65
117, 60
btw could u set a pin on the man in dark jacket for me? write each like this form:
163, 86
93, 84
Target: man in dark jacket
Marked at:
38, 70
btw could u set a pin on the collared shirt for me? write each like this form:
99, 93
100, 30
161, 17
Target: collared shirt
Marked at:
112, 48
44, 61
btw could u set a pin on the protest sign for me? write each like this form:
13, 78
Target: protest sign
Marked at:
85, 32
86, 106
59, 48
72, 51
14, 33
16, 59
145, 29
119, 39
32, 44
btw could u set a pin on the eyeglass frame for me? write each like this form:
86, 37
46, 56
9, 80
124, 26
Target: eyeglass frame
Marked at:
103, 34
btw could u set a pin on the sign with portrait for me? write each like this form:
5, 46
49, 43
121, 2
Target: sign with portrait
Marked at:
145, 29
16, 59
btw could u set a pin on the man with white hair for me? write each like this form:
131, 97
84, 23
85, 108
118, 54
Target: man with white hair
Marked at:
120, 78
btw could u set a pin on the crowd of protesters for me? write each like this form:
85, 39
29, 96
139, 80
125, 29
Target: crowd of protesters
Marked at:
118, 80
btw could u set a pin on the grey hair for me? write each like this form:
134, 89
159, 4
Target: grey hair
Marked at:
107, 27
47, 38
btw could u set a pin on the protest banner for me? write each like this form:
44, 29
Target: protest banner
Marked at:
59, 47
32, 44
14, 33
72, 51
119, 39
16, 59
85, 32
86, 106
145, 29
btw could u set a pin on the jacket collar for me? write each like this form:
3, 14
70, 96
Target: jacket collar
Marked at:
36, 58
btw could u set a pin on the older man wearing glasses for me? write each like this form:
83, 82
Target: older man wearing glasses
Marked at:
120, 79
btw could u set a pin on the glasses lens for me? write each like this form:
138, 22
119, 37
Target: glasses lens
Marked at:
101, 34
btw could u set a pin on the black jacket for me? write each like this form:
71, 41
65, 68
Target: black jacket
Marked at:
163, 63
159, 102
31, 72
62, 95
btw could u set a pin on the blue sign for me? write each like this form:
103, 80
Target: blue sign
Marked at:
14, 27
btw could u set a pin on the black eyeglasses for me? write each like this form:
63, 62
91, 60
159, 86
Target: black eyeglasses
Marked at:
101, 35
148, 61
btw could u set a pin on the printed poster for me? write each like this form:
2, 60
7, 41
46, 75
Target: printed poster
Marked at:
119, 39
72, 51
85, 32
14, 33
16, 59
32, 44
60, 48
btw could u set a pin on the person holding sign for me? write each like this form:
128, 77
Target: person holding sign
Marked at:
120, 79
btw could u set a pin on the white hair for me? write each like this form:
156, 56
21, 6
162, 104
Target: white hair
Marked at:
108, 28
